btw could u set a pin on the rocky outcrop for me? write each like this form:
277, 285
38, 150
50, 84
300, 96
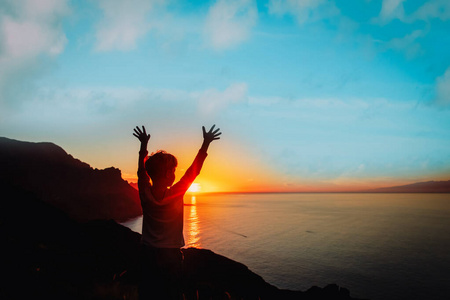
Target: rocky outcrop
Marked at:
59, 240
47, 255
84, 193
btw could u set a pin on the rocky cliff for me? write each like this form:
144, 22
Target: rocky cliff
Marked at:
84, 193
47, 255
59, 240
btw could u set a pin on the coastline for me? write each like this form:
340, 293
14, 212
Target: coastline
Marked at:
60, 258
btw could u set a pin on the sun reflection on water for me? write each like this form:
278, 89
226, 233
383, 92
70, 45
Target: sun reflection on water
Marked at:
192, 228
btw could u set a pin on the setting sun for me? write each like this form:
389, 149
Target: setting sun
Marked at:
195, 187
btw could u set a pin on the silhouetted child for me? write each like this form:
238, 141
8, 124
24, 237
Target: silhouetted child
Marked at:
162, 226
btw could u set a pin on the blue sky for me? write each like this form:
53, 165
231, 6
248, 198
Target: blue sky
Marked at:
310, 95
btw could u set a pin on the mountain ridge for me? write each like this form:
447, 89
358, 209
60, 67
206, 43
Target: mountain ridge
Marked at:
417, 187
48, 171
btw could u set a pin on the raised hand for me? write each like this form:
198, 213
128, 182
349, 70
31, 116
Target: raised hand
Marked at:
141, 134
211, 135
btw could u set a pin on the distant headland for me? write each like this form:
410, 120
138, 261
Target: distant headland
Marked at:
418, 187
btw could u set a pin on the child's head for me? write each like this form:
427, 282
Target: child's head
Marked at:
160, 166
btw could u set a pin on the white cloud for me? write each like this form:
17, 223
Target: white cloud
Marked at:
443, 89
212, 101
25, 39
28, 29
32, 27
304, 10
433, 9
229, 22
87, 106
391, 9
124, 22
408, 44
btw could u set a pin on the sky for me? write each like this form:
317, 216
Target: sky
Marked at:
311, 95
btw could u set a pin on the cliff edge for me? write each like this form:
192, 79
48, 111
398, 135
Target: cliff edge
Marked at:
47, 255
84, 193
60, 241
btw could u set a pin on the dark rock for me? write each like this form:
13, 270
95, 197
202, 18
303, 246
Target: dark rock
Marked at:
216, 275
51, 251
48, 172
47, 255
331, 292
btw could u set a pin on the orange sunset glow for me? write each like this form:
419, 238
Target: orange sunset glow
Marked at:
220, 178
296, 143
193, 228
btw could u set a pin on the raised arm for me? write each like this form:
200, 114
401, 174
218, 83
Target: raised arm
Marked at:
210, 136
193, 171
143, 138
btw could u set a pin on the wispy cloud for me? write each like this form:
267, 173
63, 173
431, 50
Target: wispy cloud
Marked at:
123, 23
432, 9
443, 89
33, 28
88, 106
212, 101
28, 30
304, 10
390, 10
229, 23
409, 44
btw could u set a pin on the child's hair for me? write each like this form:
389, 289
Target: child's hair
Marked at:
158, 163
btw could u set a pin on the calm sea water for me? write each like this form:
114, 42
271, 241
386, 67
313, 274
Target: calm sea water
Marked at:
379, 246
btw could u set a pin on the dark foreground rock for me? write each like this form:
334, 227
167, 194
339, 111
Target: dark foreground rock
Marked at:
47, 255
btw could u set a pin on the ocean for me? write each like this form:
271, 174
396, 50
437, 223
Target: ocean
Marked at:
379, 246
